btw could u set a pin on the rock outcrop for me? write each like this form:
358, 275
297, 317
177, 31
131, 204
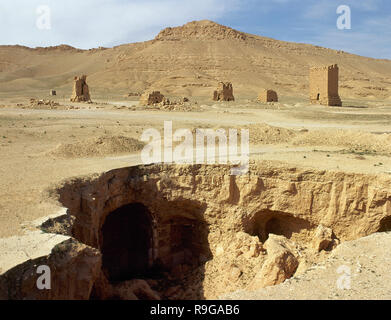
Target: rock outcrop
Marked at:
205, 29
81, 91
223, 234
224, 92
74, 268
323, 238
280, 264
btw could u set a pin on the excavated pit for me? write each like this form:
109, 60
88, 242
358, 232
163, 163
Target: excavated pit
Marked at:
196, 232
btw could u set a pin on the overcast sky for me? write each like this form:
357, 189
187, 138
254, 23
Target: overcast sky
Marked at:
93, 23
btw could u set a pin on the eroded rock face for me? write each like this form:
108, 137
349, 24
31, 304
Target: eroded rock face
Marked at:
208, 231
231, 216
74, 269
81, 91
205, 30
281, 263
353, 205
323, 238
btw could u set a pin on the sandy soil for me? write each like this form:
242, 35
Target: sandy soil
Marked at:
347, 139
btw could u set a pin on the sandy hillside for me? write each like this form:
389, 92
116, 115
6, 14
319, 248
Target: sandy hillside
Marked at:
190, 60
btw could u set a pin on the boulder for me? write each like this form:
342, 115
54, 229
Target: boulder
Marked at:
323, 238
281, 263
74, 268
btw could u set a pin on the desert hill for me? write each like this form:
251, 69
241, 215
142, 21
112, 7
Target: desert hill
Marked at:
190, 60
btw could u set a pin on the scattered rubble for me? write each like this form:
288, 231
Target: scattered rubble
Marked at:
133, 94
45, 104
154, 100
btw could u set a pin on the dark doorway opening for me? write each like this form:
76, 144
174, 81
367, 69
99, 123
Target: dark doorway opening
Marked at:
385, 225
318, 97
279, 223
127, 242
189, 244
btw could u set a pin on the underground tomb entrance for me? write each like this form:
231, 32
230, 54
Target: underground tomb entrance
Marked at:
385, 225
127, 243
266, 222
169, 248
187, 245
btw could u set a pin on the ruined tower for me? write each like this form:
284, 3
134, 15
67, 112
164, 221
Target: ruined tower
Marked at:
224, 92
324, 86
81, 91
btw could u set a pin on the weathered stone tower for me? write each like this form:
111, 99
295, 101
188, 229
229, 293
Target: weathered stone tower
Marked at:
81, 91
324, 86
224, 92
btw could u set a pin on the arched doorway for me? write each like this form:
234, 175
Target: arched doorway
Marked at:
385, 225
127, 242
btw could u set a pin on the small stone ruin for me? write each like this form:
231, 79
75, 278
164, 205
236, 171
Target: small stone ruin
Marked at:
150, 98
268, 95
